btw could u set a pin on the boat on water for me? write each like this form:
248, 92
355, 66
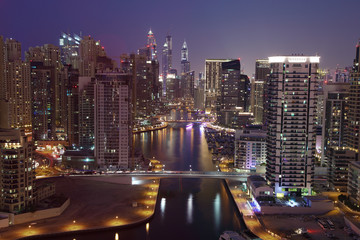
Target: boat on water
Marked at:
230, 235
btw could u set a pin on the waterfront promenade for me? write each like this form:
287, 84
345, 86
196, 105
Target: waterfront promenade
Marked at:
250, 218
96, 203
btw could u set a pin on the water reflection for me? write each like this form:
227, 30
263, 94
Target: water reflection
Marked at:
189, 215
217, 213
162, 207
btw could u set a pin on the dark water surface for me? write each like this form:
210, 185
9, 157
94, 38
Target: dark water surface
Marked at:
186, 208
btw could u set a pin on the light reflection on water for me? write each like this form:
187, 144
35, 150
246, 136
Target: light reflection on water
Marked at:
162, 207
186, 208
189, 215
217, 209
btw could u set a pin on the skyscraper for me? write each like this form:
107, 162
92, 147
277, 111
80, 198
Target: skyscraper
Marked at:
234, 98
17, 176
291, 123
150, 48
151, 44
167, 55
166, 61
70, 53
86, 112
113, 124
2, 69
262, 70
212, 81
89, 50
18, 86
49, 101
334, 117
185, 64
353, 129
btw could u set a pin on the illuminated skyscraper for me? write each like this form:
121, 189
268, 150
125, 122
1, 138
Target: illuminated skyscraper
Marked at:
262, 70
213, 69
70, 53
17, 175
334, 117
185, 64
86, 112
89, 51
150, 49
234, 98
167, 55
291, 120
2, 69
353, 135
113, 126
18, 86
166, 61
49, 101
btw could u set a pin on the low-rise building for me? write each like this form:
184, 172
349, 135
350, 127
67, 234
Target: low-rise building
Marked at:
258, 187
79, 160
45, 189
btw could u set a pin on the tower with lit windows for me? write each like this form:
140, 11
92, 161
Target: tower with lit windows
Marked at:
291, 119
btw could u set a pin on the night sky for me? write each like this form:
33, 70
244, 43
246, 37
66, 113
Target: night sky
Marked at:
248, 29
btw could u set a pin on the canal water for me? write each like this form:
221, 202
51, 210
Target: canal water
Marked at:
186, 208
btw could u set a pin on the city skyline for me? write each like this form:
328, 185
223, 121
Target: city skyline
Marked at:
124, 28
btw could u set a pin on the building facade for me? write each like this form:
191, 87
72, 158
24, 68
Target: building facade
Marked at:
334, 122
213, 75
17, 176
262, 71
18, 87
113, 125
353, 128
354, 181
291, 123
250, 148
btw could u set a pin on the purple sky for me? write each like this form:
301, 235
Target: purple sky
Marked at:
248, 29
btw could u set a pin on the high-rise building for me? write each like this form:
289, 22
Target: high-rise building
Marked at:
150, 49
250, 147
167, 55
86, 112
172, 85
234, 98
334, 117
113, 125
17, 175
262, 71
338, 160
18, 87
146, 88
199, 95
213, 74
291, 123
2, 69
72, 128
185, 64
353, 128
353, 188
43, 101
49, 85
187, 85
166, 61
89, 51
70, 52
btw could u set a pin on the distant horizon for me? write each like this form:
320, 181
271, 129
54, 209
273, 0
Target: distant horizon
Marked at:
212, 29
